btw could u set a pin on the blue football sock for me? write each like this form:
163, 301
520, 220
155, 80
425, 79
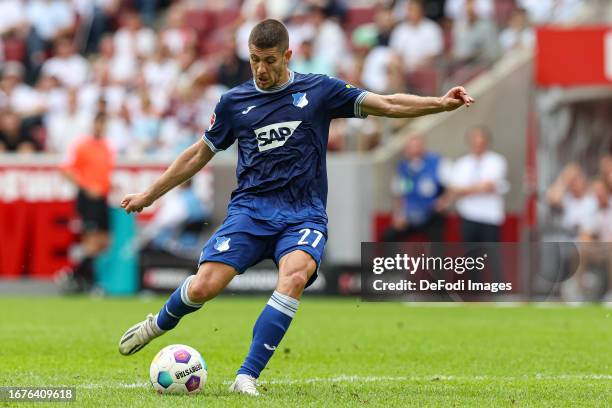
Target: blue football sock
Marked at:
177, 306
268, 332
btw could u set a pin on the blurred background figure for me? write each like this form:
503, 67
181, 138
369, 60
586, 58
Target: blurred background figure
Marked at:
594, 272
570, 196
13, 136
519, 33
88, 165
417, 39
474, 40
478, 184
418, 190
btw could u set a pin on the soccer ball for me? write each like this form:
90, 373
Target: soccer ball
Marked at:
178, 369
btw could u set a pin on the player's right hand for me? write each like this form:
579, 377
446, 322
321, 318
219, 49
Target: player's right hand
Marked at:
135, 202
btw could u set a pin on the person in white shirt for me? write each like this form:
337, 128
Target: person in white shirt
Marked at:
545, 11
455, 9
329, 41
134, 40
12, 16
569, 194
418, 40
69, 67
63, 128
595, 238
50, 18
478, 184
519, 33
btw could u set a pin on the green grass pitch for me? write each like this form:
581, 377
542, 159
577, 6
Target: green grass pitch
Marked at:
338, 352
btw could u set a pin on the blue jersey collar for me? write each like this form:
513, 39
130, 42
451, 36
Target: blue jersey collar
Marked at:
276, 88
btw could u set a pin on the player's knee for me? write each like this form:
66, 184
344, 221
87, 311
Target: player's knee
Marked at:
296, 278
210, 280
200, 290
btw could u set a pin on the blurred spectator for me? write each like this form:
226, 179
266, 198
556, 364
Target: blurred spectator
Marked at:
115, 68
20, 97
233, 70
95, 19
457, 9
569, 194
13, 19
329, 40
64, 127
13, 135
596, 234
118, 130
133, 40
88, 165
543, 11
605, 170
160, 71
298, 27
49, 20
384, 23
382, 66
519, 33
251, 16
69, 67
597, 225
145, 128
279, 10
308, 63
478, 183
417, 39
177, 35
418, 190
178, 224
474, 38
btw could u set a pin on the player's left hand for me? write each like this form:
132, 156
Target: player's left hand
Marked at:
455, 98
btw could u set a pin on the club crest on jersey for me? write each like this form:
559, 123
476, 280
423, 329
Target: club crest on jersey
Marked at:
299, 99
275, 135
222, 244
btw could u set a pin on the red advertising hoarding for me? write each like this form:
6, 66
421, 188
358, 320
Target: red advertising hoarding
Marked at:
576, 56
37, 215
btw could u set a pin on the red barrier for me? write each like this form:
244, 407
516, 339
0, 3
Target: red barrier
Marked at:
36, 209
574, 56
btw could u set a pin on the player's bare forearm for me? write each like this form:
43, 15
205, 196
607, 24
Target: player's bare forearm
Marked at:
185, 166
410, 106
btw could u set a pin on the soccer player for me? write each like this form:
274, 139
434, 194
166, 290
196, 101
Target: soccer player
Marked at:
281, 122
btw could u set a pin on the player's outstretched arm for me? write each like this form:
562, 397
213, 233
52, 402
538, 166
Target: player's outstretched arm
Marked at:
182, 169
410, 106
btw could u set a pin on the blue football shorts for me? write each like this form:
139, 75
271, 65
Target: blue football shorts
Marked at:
242, 242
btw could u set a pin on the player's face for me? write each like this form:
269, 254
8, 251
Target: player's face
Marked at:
269, 66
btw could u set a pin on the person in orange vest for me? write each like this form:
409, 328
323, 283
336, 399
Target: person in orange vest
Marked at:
88, 165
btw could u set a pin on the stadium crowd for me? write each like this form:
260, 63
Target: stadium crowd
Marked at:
157, 68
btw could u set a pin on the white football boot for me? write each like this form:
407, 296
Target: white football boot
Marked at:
245, 384
139, 335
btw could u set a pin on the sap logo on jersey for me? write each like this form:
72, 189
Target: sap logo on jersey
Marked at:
275, 135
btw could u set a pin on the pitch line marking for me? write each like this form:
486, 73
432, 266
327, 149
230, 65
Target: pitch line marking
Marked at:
357, 378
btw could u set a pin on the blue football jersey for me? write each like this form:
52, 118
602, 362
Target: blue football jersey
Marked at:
282, 141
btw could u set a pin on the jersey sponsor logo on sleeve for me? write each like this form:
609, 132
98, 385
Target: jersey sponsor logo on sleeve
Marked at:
299, 99
275, 135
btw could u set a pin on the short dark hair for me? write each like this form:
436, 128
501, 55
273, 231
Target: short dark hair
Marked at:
270, 33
